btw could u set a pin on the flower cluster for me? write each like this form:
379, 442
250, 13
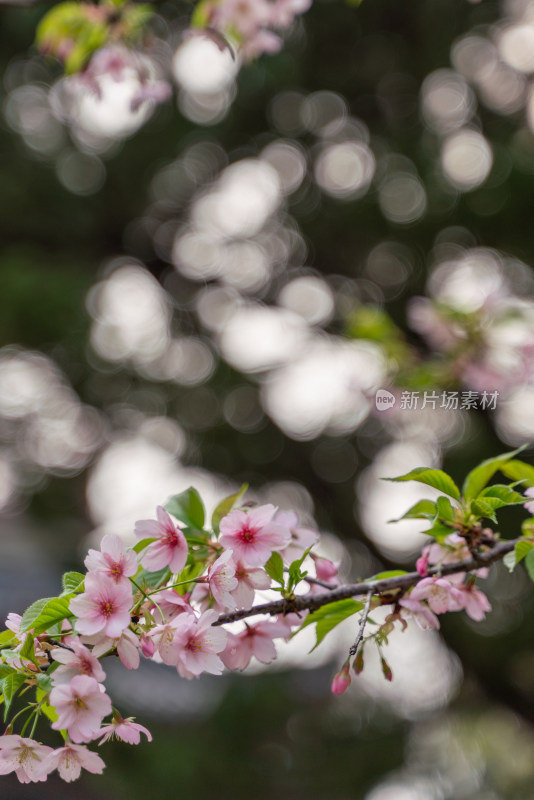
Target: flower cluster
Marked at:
159, 599
249, 24
170, 597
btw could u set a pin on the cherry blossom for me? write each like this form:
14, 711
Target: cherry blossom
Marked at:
78, 660
70, 760
127, 646
254, 640
253, 535
171, 548
248, 580
197, 643
24, 757
113, 560
81, 705
425, 618
126, 730
222, 580
473, 601
104, 606
440, 594
301, 538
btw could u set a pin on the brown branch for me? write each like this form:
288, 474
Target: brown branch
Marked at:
309, 602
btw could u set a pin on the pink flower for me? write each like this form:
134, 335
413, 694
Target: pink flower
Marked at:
263, 41
113, 559
253, 535
222, 580
283, 12
126, 730
127, 646
243, 16
24, 757
424, 617
13, 622
170, 603
341, 680
197, 643
473, 601
77, 661
171, 548
254, 640
326, 570
69, 761
80, 706
300, 538
530, 505
248, 580
439, 593
104, 606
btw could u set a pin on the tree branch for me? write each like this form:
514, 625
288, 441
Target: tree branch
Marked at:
309, 602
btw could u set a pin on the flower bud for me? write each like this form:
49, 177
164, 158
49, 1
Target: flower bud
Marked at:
358, 662
386, 669
341, 680
147, 646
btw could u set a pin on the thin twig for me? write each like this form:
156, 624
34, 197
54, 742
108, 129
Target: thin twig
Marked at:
363, 619
383, 587
318, 582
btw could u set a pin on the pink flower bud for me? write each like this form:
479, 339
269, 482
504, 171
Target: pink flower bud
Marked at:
341, 680
421, 565
325, 569
147, 646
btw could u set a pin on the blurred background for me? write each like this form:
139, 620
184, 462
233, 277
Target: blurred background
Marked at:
211, 292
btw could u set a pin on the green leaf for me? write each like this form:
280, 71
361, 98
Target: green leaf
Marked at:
275, 568
48, 710
506, 495
6, 637
521, 550
72, 582
509, 561
479, 476
485, 507
424, 509
45, 613
438, 530
391, 573
188, 507
27, 650
226, 505
189, 573
5, 669
527, 527
529, 564
45, 682
151, 580
329, 616
142, 544
295, 572
431, 477
444, 509
32, 612
519, 471
10, 686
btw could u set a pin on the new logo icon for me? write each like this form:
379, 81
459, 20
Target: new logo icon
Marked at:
384, 400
